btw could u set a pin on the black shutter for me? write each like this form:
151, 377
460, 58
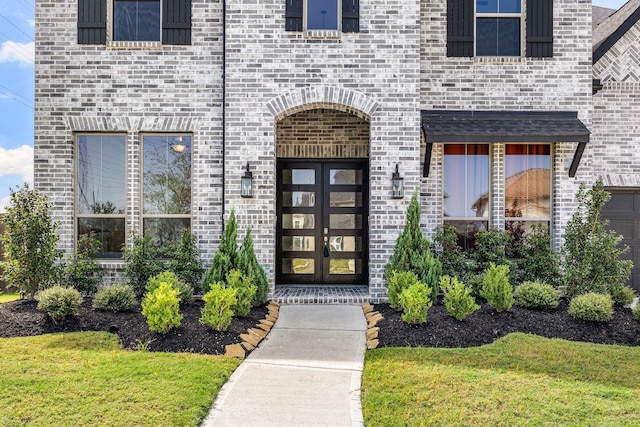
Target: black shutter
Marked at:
460, 15
539, 28
293, 15
176, 21
350, 16
92, 21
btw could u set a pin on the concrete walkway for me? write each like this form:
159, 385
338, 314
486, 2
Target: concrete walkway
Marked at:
307, 372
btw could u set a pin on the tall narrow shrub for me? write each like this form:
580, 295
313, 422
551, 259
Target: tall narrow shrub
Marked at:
454, 260
496, 288
184, 259
245, 290
30, 241
412, 252
591, 252
248, 264
538, 261
142, 261
225, 258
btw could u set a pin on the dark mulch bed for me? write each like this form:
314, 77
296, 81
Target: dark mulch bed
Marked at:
486, 325
21, 318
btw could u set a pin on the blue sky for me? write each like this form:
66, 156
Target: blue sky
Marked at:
16, 92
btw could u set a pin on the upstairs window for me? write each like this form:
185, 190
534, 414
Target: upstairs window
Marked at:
498, 24
322, 15
136, 20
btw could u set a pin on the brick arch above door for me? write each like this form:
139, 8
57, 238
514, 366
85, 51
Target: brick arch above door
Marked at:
330, 97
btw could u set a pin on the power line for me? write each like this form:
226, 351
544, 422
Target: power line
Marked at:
13, 98
28, 8
19, 48
16, 27
16, 94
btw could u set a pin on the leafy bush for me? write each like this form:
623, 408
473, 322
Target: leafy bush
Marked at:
496, 288
412, 252
398, 282
142, 260
217, 311
636, 311
224, 259
247, 263
415, 302
59, 302
83, 272
184, 259
591, 252
475, 283
491, 247
185, 291
538, 261
592, 306
454, 260
457, 298
622, 295
116, 297
245, 291
162, 308
536, 295
30, 241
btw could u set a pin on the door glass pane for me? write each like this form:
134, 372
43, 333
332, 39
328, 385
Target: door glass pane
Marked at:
298, 266
298, 199
345, 221
298, 243
345, 199
298, 221
299, 176
345, 243
345, 266
345, 177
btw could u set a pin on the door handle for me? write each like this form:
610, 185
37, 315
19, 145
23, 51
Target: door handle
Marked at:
326, 231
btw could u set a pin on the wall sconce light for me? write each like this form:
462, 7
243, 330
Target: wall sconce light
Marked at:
397, 185
246, 183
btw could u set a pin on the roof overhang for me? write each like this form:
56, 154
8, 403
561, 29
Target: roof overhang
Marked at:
503, 126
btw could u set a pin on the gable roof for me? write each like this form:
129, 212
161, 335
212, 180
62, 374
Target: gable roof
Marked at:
599, 14
609, 31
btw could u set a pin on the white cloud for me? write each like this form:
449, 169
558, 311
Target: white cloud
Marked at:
23, 53
17, 161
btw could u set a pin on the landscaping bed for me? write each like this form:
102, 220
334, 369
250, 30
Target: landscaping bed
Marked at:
486, 325
22, 318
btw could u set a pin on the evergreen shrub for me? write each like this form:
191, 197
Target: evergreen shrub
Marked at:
245, 291
415, 302
453, 258
458, 299
496, 288
161, 308
622, 295
142, 261
185, 291
59, 302
217, 311
398, 282
636, 311
116, 297
538, 261
592, 306
536, 295
247, 263
184, 259
84, 273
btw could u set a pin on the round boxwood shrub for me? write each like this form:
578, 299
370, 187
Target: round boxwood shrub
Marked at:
162, 308
622, 295
116, 298
59, 302
592, 306
536, 295
185, 290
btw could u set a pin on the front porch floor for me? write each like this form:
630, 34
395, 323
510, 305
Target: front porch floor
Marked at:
321, 294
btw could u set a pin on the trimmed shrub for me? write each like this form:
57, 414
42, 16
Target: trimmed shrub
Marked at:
536, 295
59, 302
248, 264
457, 298
475, 283
83, 272
592, 306
116, 297
217, 312
453, 259
412, 252
142, 261
538, 261
636, 311
415, 302
496, 288
491, 247
185, 291
622, 295
162, 308
224, 259
245, 291
184, 259
398, 282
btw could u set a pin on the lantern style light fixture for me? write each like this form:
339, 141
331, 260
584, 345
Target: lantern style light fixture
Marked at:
397, 185
246, 183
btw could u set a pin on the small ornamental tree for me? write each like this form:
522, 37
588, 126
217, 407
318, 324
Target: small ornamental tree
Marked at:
30, 241
247, 263
225, 258
412, 252
591, 252
83, 272
538, 261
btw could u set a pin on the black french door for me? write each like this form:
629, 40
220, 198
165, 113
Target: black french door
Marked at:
322, 222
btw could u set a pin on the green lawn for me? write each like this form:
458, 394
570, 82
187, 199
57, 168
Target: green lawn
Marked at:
8, 297
87, 379
518, 380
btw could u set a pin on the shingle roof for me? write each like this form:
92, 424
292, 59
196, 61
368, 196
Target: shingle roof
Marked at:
503, 126
609, 31
600, 14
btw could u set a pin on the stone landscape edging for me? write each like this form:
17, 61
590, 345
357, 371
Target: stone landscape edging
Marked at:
254, 336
